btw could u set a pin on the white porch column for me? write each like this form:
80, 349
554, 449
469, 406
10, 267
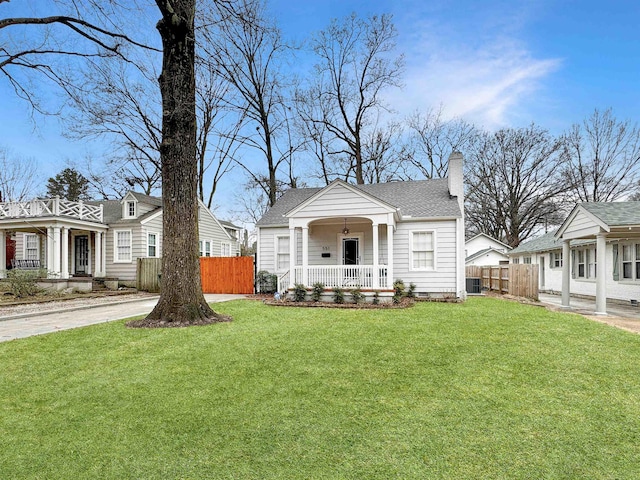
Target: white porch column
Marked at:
305, 255
566, 274
103, 258
49, 250
56, 251
601, 277
389, 256
292, 256
99, 262
64, 259
376, 257
3, 254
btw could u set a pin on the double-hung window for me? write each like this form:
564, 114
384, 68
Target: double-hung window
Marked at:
526, 260
422, 250
627, 262
225, 249
581, 264
282, 253
122, 242
592, 263
152, 245
31, 247
205, 248
557, 259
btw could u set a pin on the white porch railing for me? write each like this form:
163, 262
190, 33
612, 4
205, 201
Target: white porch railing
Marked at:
283, 282
342, 276
55, 207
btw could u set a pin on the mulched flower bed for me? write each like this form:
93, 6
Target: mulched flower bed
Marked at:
405, 303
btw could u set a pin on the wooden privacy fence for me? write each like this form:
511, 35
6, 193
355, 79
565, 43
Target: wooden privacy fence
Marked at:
518, 280
147, 274
218, 274
227, 274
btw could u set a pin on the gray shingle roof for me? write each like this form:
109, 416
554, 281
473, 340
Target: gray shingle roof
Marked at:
418, 199
543, 243
480, 253
615, 213
112, 209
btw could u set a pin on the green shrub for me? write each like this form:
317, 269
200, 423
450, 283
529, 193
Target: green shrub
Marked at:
376, 298
299, 292
266, 282
357, 296
411, 292
316, 293
399, 291
22, 283
338, 295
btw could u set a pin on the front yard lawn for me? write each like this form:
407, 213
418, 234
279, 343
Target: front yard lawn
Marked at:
485, 389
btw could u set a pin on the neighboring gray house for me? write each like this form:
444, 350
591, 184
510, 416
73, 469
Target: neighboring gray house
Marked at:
367, 236
595, 252
99, 238
485, 250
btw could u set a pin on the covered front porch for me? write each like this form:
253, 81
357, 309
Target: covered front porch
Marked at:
614, 262
64, 238
339, 252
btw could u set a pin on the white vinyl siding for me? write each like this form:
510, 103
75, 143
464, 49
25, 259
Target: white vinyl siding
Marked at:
422, 253
441, 279
349, 203
122, 241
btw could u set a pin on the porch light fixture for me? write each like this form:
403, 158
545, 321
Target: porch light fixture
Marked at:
345, 230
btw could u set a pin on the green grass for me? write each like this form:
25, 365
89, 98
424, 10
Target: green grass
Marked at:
485, 389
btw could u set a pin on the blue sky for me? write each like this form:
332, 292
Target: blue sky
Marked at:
493, 63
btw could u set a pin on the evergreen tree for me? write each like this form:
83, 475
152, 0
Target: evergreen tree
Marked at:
69, 184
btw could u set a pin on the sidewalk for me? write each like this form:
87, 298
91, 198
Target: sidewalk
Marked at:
26, 325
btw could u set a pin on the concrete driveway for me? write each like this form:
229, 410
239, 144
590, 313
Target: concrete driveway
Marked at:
26, 325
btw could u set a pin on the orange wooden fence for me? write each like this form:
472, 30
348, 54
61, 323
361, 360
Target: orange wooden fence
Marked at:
226, 274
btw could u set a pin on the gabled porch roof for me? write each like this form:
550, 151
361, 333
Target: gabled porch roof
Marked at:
590, 218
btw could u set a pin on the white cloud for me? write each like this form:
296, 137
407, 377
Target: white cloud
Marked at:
485, 75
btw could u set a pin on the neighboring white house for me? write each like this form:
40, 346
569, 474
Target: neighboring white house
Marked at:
367, 236
99, 238
601, 242
485, 250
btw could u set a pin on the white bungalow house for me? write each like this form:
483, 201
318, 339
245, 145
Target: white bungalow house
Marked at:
367, 236
601, 243
97, 238
485, 250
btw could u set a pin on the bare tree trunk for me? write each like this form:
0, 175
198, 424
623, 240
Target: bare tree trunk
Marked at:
181, 302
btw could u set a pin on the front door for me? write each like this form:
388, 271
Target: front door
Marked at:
350, 251
82, 254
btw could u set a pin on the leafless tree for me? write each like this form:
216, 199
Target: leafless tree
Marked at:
181, 301
385, 153
604, 157
433, 138
247, 51
17, 176
355, 63
513, 183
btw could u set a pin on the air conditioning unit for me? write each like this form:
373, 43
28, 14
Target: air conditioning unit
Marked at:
473, 285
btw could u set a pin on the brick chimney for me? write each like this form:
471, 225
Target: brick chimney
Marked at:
455, 178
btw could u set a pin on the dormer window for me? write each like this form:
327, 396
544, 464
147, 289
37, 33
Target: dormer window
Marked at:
131, 209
